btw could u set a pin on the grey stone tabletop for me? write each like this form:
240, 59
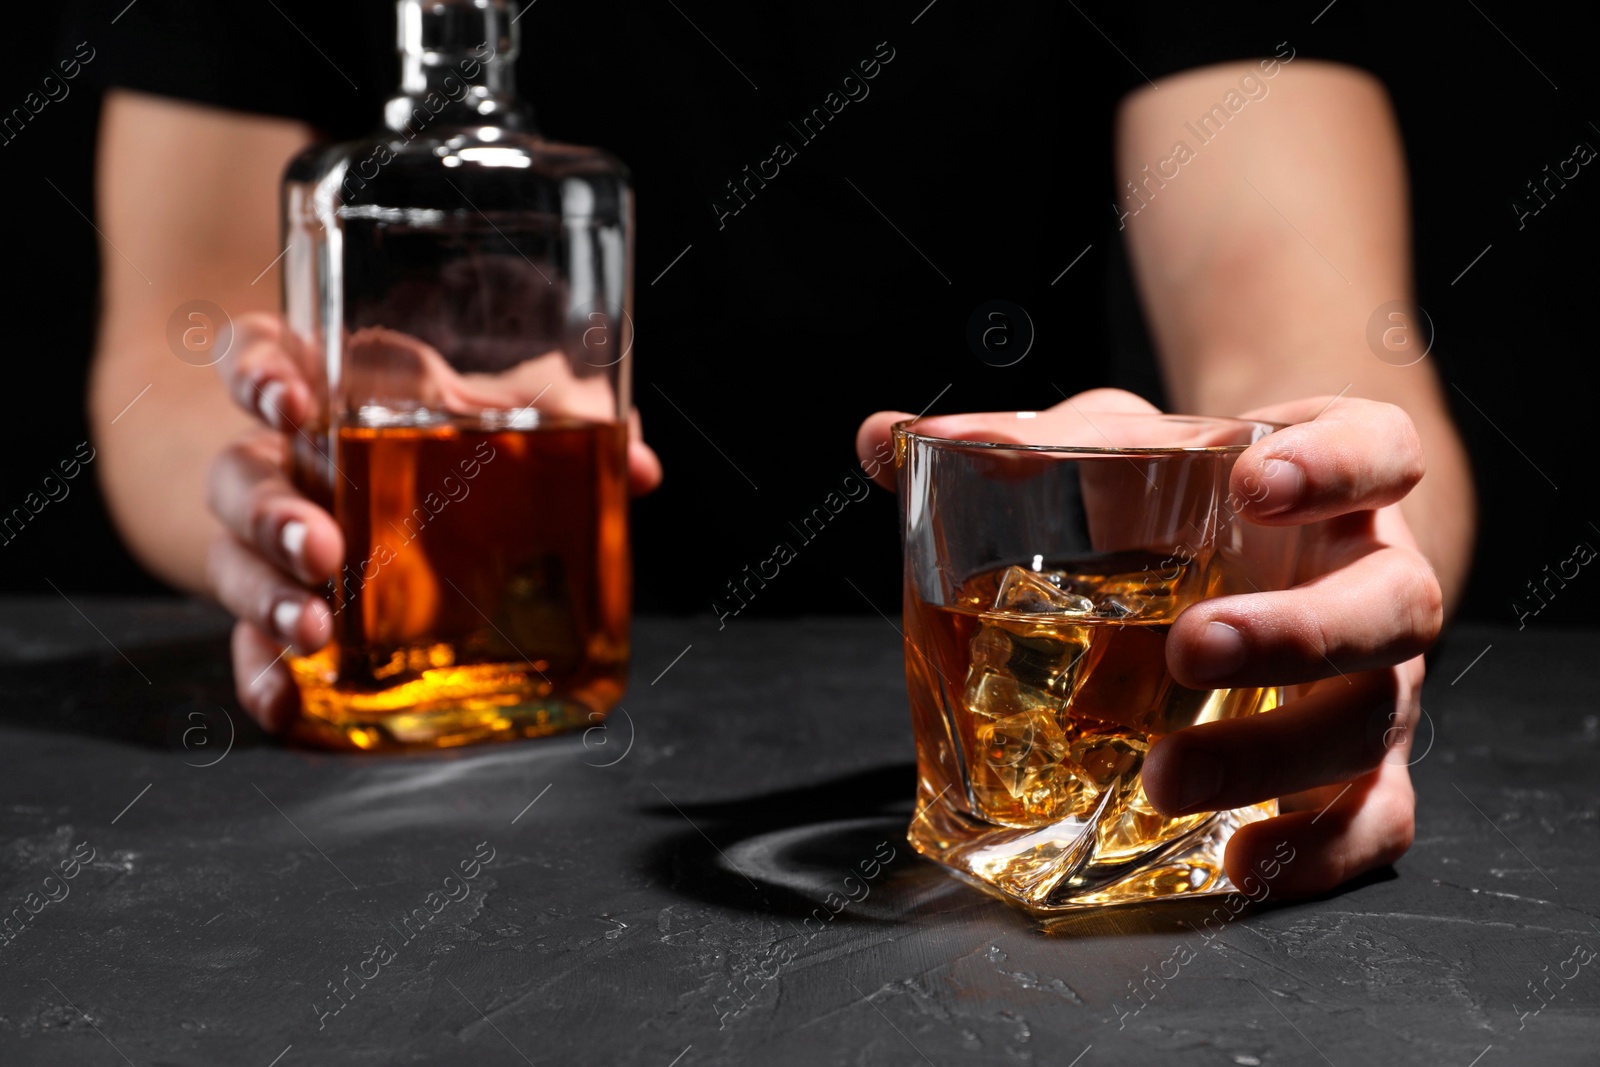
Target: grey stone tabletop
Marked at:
720, 876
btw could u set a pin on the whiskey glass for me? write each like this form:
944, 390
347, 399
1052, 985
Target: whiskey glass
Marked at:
1047, 555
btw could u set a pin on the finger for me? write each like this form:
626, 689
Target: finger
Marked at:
1119, 400
261, 679
253, 498
258, 593
875, 448
1379, 609
1348, 455
1341, 729
873, 439
644, 466
1086, 420
1352, 829
262, 376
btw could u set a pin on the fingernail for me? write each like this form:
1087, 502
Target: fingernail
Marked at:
1221, 652
1284, 483
293, 539
286, 618
1199, 779
270, 403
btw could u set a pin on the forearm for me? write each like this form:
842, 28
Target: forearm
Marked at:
1262, 260
187, 202
154, 450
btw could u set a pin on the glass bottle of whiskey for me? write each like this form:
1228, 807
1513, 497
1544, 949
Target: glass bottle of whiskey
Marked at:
457, 290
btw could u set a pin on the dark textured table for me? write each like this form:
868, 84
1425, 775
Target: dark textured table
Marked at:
179, 890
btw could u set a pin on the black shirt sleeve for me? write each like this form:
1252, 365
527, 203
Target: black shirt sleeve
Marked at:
329, 64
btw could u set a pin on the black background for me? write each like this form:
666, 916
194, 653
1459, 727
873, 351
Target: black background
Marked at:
772, 338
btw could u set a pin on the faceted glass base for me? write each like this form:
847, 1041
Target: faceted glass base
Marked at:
1058, 868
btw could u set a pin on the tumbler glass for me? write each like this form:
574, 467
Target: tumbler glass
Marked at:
1047, 556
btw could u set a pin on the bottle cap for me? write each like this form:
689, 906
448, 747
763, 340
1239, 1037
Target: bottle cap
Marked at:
442, 32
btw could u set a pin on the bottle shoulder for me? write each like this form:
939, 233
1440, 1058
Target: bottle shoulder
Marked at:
488, 168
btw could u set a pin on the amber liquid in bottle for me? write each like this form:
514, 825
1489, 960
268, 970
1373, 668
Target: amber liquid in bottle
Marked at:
485, 589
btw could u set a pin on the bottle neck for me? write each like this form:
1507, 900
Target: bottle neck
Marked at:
457, 66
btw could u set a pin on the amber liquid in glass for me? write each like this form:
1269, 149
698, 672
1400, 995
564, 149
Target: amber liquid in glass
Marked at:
1036, 694
486, 585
